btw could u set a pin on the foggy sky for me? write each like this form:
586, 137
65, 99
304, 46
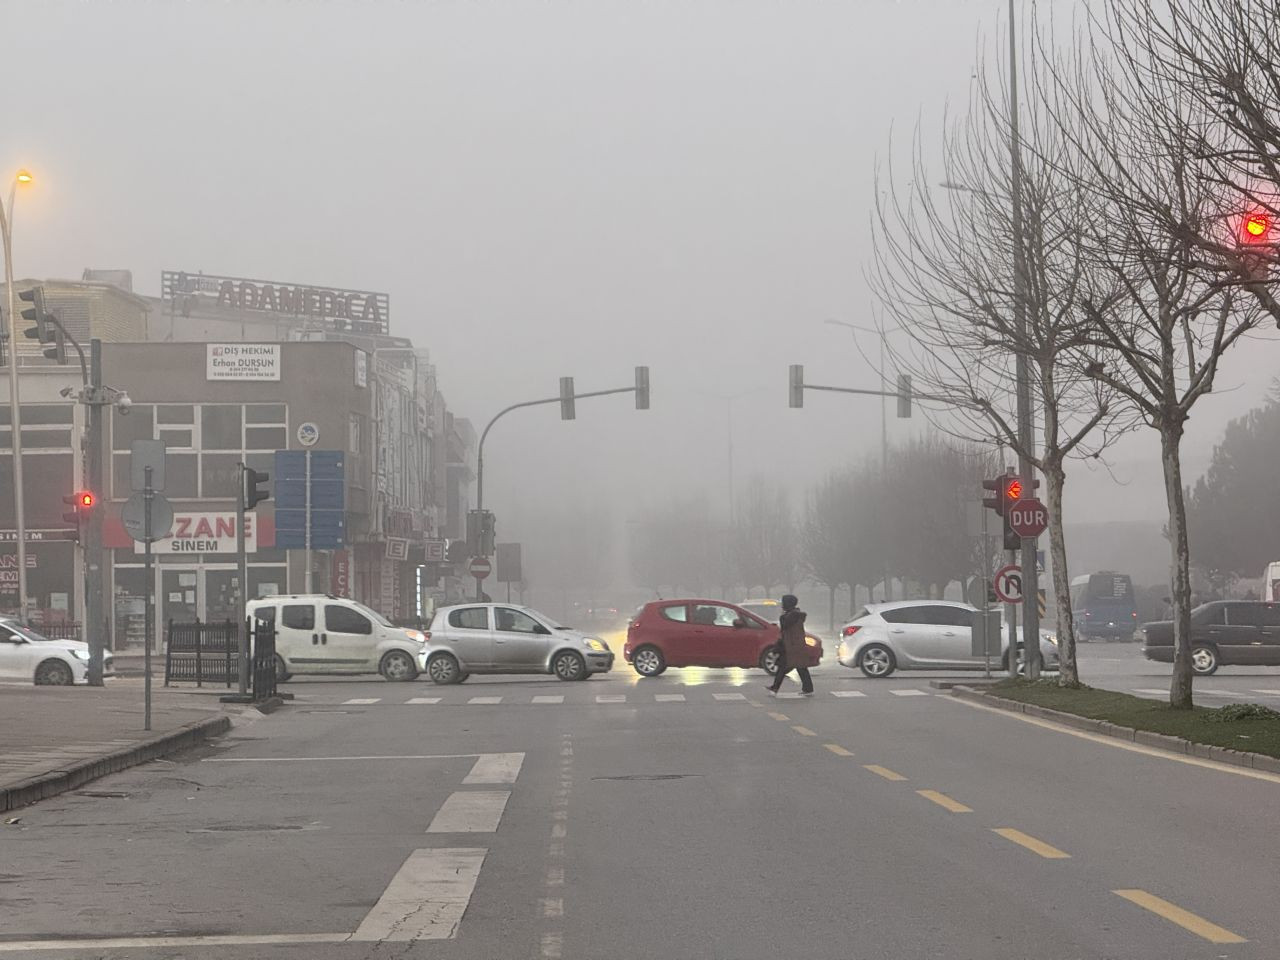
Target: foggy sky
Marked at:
544, 188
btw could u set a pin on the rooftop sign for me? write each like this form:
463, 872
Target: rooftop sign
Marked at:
359, 311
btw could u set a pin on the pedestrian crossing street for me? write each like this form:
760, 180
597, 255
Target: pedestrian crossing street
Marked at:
634, 698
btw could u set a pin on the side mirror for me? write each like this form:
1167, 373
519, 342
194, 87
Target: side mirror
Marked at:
739, 623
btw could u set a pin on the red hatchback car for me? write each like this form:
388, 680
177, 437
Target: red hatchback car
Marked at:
703, 633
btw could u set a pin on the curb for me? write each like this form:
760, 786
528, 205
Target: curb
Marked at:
78, 774
1161, 741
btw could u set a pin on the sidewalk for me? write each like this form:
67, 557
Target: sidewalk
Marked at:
54, 739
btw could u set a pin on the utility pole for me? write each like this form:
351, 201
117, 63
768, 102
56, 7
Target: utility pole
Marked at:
1026, 432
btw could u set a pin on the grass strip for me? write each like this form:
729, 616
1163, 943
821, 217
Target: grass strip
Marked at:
1238, 726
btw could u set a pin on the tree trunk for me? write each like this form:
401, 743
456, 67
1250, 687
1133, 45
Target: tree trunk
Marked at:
1069, 675
1170, 455
831, 610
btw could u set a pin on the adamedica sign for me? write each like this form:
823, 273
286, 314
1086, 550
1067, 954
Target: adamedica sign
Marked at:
357, 310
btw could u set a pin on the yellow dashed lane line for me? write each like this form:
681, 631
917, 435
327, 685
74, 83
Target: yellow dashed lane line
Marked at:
1031, 843
942, 800
885, 772
804, 731
838, 750
1184, 918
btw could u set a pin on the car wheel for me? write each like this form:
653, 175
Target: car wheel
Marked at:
1204, 661
282, 672
443, 668
54, 673
462, 678
397, 665
648, 661
877, 661
769, 660
567, 665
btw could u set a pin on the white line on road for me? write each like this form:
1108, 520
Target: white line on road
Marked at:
559, 698
360, 701
669, 697
472, 811
495, 768
729, 696
552, 946
139, 943
1151, 691
423, 700
788, 696
1270, 693
847, 693
910, 693
410, 756
552, 907
487, 700
611, 698
426, 898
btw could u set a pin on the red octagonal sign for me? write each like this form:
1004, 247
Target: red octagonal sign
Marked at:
1028, 518
480, 567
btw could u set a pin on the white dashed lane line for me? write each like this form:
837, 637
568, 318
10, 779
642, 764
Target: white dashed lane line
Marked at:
474, 811
426, 898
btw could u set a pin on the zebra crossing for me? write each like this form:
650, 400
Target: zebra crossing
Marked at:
634, 698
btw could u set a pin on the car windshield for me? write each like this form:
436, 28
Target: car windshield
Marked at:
24, 631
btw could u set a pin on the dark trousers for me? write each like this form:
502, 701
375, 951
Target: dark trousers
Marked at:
806, 681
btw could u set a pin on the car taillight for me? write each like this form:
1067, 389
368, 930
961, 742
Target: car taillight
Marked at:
850, 630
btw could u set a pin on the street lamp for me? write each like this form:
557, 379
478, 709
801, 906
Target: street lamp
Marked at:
15, 412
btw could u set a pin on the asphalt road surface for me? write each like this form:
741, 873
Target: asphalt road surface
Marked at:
689, 816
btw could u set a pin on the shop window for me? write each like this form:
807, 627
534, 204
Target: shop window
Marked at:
137, 424
176, 439
180, 476
182, 414
219, 475
273, 413
220, 427
266, 438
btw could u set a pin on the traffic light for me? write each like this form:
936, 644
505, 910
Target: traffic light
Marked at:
254, 491
904, 396
796, 386
1257, 227
473, 532
996, 500
1010, 491
45, 326
456, 552
642, 388
488, 533
80, 503
567, 411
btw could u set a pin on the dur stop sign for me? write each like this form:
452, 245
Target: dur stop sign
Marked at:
1027, 518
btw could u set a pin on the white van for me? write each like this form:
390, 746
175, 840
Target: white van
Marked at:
317, 634
1271, 581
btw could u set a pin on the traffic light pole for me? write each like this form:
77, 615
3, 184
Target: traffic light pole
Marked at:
1026, 434
15, 410
96, 620
242, 568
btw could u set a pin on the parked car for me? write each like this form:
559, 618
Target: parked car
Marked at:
508, 638
767, 610
704, 633
1223, 632
923, 635
31, 657
1103, 606
317, 634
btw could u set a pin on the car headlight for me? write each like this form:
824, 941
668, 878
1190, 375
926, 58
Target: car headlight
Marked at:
79, 654
593, 644
417, 636
1052, 639
810, 641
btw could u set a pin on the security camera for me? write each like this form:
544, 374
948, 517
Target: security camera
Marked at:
66, 391
124, 404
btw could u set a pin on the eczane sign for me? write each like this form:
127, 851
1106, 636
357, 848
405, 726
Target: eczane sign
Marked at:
195, 533
242, 361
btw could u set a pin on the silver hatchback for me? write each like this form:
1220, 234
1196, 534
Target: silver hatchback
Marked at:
507, 638
922, 635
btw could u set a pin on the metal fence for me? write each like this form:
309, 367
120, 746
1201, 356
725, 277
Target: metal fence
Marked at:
203, 652
59, 629
263, 663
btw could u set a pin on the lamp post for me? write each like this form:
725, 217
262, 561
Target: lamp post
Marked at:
854, 330
15, 412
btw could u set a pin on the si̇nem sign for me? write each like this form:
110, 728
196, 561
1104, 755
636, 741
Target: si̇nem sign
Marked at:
242, 361
195, 533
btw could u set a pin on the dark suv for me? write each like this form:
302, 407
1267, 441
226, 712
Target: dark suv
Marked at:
1223, 633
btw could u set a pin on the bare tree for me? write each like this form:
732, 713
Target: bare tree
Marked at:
764, 537
824, 532
952, 288
1134, 148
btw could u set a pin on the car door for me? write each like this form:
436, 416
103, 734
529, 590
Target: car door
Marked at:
1270, 629
726, 637
15, 655
298, 639
470, 637
520, 643
348, 639
1242, 635
953, 637
909, 636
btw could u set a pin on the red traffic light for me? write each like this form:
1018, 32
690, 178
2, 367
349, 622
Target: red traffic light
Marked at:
1256, 227
84, 499
1013, 489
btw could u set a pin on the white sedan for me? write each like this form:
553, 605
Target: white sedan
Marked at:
923, 635
29, 657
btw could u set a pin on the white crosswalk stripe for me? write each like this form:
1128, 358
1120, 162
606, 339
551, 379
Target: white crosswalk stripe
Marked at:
847, 693
549, 699
424, 700
669, 697
910, 693
729, 696
489, 700
360, 701
611, 698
